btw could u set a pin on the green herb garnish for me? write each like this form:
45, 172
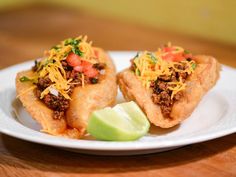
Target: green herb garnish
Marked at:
186, 52
48, 61
137, 55
71, 41
94, 80
194, 65
25, 79
74, 43
77, 51
56, 47
152, 57
45, 63
68, 41
137, 72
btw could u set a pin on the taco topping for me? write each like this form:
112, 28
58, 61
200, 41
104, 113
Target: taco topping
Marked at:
164, 72
73, 62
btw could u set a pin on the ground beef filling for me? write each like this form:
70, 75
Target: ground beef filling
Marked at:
162, 94
58, 103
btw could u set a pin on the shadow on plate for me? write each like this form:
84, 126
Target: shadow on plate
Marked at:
159, 131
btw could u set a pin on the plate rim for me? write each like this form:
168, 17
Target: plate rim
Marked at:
89, 145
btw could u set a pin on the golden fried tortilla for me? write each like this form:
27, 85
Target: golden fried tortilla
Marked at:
84, 101
204, 78
91, 97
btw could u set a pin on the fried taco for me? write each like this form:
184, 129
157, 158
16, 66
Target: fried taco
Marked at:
168, 84
66, 85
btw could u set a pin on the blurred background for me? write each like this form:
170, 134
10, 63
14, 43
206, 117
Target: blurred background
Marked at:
28, 27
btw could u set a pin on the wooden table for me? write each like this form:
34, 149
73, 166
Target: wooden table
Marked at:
25, 33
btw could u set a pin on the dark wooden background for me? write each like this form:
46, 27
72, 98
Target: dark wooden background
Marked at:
26, 32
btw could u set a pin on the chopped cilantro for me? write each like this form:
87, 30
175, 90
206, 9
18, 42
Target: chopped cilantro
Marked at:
152, 57
74, 43
36, 65
194, 65
186, 52
56, 47
94, 80
68, 41
48, 61
40, 66
137, 71
71, 41
25, 79
66, 54
137, 55
77, 51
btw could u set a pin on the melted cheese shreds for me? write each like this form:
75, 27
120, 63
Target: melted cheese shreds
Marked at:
86, 49
149, 66
150, 69
51, 65
189, 68
176, 87
82, 78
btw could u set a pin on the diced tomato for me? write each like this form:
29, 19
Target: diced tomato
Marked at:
92, 72
168, 49
86, 65
96, 53
168, 57
173, 57
87, 69
178, 57
189, 55
73, 59
78, 68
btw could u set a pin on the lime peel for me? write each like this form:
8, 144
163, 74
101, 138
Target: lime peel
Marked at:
124, 122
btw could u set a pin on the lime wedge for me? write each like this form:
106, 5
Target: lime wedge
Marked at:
123, 122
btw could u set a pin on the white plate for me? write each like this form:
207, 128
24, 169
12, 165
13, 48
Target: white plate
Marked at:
214, 117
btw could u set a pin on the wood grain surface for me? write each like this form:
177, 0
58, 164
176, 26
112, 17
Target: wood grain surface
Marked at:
26, 32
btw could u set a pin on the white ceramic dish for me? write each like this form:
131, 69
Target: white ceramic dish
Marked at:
214, 117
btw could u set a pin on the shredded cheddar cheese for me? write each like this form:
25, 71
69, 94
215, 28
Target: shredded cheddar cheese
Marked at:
82, 80
51, 65
148, 66
176, 87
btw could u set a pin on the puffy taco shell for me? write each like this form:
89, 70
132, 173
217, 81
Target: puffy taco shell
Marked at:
197, 85
84, 101
91, 97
